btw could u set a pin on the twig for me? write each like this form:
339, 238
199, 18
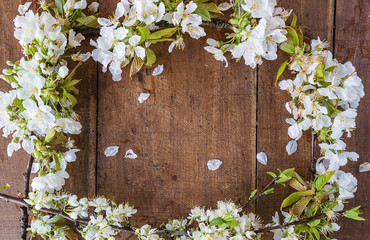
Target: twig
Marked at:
79, 221
24, 216
303, 221
281, 226
217, 23
313, 159
129, 229
262, 193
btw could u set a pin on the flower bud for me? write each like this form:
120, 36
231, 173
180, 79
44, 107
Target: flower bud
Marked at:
63, 71
10, 63
38, 56
7, 72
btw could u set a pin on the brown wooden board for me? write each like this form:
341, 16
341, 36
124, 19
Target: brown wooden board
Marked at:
352, 44
82, 172
11, 168
272, 130
198, 111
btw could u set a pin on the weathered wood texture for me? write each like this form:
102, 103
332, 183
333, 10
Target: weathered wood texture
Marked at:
11, 168
272, 130
352, 44
198, 111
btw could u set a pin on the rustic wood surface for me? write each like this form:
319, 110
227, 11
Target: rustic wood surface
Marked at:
198, 111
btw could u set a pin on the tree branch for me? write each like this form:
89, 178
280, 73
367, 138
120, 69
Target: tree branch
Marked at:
84, 221
217, 23
313, 159
262, 193
129, 229
24, 212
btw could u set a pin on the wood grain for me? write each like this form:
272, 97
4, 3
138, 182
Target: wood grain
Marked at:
198, 111
272, 130
11, 168
352, 44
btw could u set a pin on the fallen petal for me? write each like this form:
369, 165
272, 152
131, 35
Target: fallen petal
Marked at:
291, 147
143, 97
158, 70
262, 158
111, 151
130, 154
364, 167
214, 164
35, 167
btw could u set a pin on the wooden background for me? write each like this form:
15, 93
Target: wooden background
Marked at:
198, 111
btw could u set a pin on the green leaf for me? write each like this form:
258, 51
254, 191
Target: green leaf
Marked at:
144, 33
314, 223
88, 21
320, 71
59, 5
8, 78
272, 174
161, 40
136, 65
300, 37
323, 179
32, 50
299, 179
70, 85
307, 192
331, 69
204, 14
316, 233
281, 71
292, 36
299, 206
288, 172
217, 221
19, 103
72, 99
50, 135
5, 186
312, 209
288, 48
292, 198
165, 33
296, 185
210, 7
268, 191
294, 21
253, 193
72, 73
353, 214
232, 223
151, 58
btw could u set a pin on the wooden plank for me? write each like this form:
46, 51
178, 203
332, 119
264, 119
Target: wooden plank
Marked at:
11, 168
198, 111
82, 172
272, 135
352, 44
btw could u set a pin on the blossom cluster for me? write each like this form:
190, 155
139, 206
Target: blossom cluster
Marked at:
38, 111
127, 36
258, 28
38, 114
225, 222
106, 215
325, 96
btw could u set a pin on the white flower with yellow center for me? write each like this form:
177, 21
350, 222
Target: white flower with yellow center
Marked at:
40, 118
